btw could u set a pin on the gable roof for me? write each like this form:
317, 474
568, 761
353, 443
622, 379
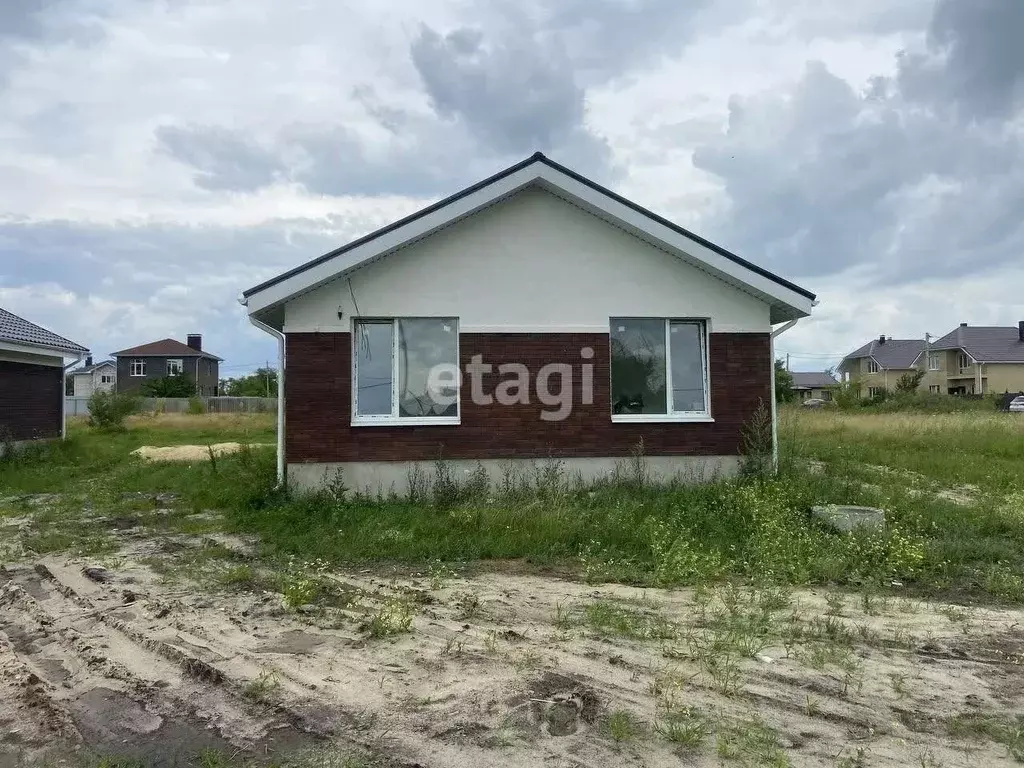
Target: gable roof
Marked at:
787, 300
18, 330
813, 380
93, 367
164, 348
986, 344
894, 353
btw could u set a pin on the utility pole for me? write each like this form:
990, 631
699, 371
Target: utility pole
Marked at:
787, 361
266, 375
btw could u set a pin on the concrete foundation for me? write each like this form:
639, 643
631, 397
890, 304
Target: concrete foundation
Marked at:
849, 518
387, 477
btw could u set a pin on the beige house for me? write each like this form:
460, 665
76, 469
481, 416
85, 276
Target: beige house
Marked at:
813, 385
878, 365
974, 360
92, 378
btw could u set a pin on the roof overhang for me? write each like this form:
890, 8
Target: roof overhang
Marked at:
787, 301
29, 348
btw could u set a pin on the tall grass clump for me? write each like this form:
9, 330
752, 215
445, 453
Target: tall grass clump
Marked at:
108, 410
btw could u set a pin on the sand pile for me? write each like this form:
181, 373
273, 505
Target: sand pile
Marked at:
189, 452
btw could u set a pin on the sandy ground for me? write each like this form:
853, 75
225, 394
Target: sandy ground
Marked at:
188, 452
500, 669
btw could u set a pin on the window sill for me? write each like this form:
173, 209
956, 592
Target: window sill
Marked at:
440, 421
662, 418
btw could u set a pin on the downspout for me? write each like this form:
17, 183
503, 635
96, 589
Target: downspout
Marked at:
64, 396
775, 414
281, 479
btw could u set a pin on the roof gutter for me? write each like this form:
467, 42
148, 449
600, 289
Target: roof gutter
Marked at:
775, 409
281, 477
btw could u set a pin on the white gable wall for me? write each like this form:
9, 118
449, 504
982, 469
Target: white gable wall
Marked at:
533, 263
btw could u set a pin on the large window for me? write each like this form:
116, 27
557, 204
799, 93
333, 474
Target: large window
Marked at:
933, 361
963, 361
137, 367
872, 366
659, 369
174, 366
406, 371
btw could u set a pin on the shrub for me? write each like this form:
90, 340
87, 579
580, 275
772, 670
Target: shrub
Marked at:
169, 386
196, 406
909, 382
929, 402
108, 410
846, 395
783, 383
877, 399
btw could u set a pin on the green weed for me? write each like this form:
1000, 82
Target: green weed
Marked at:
621, 726
394, 617
263, 688
752, 743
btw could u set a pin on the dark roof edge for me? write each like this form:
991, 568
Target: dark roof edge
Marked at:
71, 345
71, 349
536, 157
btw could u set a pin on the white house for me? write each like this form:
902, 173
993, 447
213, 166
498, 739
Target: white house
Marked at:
98, 377
535, 315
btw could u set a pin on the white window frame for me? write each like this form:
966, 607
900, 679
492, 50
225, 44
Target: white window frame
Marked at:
872, 365
180, 366
393, 419
671, 415
106, 378
964, 362
137, 367
934, 361
872, 391
935, 389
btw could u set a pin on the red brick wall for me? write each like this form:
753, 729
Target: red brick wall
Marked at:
30, 401
318, 405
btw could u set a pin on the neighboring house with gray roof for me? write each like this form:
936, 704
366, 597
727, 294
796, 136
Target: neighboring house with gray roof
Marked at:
975, 360
32, 379
878, 365
92, 377
813, 385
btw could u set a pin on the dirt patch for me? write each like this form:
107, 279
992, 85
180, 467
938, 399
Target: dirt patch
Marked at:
559, 705
544, 672
190, 452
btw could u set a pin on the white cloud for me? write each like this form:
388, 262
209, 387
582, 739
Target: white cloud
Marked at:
314, 122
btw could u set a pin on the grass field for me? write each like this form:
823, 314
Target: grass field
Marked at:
474, 625
952, 486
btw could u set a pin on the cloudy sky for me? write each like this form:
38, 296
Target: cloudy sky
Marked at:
158, 156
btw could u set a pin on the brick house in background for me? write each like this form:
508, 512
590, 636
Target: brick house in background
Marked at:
654, 334
168, 357
32, 380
